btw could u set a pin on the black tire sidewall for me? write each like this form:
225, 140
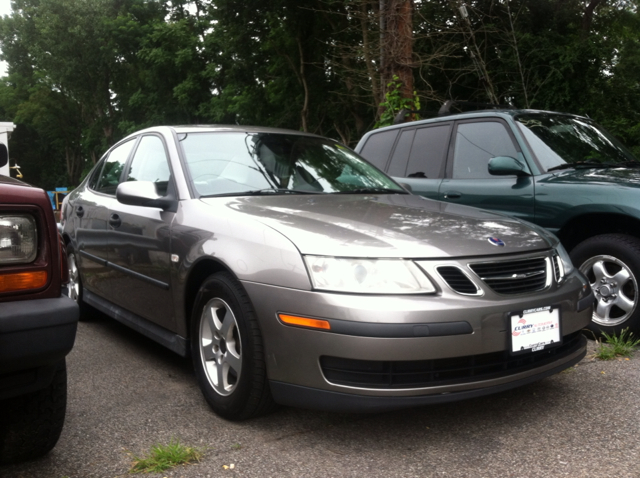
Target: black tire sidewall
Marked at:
31, 424
225, 287
623, 247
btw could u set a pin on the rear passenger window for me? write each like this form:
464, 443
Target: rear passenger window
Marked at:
429, 151
378, 147
476, 143
95, 176
398, 164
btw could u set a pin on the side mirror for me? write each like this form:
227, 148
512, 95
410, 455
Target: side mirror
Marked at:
507, 166
4, 155
142, 193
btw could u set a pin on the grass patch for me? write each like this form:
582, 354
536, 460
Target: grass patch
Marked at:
623, 345
163, 457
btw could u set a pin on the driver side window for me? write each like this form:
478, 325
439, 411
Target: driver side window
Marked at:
476, 144
150, 164
113, 167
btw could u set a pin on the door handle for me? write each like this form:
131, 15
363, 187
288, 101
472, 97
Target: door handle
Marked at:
79, 211
115, 221
452, 195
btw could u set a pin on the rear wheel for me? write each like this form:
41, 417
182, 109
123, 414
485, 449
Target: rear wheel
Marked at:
227, 350
611, 262
30, 425
74, 287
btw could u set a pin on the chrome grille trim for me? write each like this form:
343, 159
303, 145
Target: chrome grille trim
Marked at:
515, 276
558, 268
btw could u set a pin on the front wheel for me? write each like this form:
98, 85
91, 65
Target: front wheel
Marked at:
611, 262
30, 425
227, 351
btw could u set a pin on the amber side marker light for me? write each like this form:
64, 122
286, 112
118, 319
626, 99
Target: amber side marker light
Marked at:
22, 281
305, 322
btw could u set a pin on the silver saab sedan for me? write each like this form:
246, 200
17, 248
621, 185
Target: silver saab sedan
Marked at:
294, 272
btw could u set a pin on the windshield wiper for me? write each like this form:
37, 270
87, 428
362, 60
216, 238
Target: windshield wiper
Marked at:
372, 191
262, 192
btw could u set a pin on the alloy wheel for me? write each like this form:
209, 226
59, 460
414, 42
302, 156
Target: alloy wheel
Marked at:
220, 346
615, 288
73, 288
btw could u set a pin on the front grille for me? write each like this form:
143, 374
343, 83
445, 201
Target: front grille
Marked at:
513, 277
430, 373
457, 280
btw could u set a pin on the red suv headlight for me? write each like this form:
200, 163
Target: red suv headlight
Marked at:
18, 239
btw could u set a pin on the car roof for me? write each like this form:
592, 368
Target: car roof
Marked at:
488, 113
199, 128
180, 129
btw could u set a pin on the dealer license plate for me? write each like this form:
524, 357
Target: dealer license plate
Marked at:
535, 329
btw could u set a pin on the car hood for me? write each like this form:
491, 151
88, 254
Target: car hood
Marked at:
620, 177
12, 181
385, 225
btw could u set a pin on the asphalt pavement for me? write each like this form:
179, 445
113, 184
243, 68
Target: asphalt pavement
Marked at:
127, 394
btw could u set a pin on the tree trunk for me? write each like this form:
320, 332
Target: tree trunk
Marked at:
588, 16
74, 165
366, 48
304, 114
397, 46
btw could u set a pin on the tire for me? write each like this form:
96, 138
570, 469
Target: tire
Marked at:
227, 351
611, 262
74, 288
30, 425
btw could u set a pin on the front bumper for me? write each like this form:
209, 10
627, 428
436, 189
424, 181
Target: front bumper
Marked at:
35, 335
377, 333
317, 399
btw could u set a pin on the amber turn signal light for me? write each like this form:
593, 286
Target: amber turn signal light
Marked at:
23, 281
305, 322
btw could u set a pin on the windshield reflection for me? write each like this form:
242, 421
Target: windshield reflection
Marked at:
559, 139
230, 163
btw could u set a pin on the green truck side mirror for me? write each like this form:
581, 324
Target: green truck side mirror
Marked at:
507, 166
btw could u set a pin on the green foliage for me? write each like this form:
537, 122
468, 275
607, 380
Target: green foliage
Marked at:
271, 63
69, 68
85, 73
623, 345
163, 457
394, 102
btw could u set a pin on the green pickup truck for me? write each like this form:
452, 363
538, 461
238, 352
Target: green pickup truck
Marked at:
560, 171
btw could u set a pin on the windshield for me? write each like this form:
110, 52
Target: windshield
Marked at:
558, 139
235, 163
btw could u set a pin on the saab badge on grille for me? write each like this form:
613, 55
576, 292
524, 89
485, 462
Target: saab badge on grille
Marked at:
496, 241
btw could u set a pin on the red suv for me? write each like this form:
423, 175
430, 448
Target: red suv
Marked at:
37, 323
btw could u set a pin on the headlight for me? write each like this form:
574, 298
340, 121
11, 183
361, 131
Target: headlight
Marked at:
18, 239
367, 276
565, 260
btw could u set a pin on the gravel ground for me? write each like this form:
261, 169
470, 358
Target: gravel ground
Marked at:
127, 394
